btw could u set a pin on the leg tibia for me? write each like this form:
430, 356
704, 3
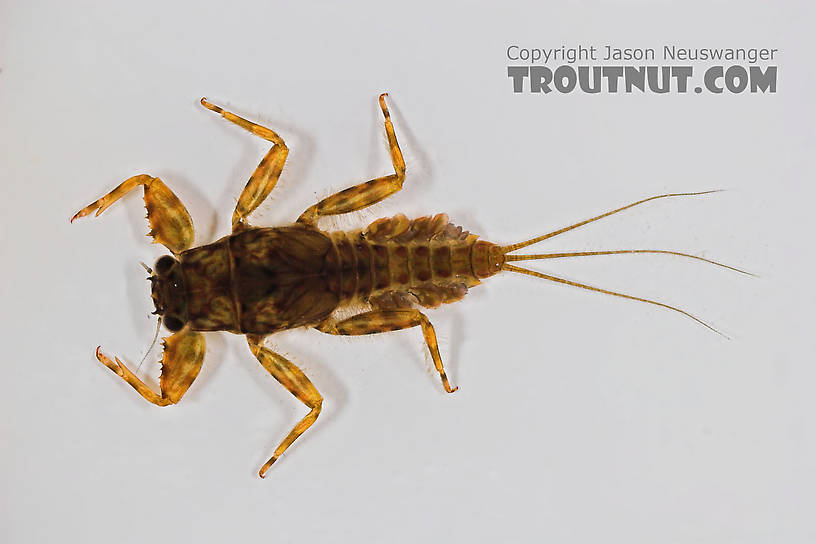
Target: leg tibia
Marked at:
124, 372
256, 129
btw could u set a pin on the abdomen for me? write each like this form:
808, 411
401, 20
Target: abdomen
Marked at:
397, 262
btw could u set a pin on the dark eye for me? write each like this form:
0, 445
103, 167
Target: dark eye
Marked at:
173, 324
164, 264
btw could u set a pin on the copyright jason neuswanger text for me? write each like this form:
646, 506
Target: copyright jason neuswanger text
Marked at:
566, 69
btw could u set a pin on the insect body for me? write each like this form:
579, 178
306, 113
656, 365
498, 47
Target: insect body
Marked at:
258, 281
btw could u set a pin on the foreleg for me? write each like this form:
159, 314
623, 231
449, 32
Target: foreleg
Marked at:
181, 361
170, 223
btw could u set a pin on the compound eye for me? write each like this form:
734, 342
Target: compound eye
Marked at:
173, 324
164, 264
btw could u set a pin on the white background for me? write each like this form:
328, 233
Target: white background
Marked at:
580, 418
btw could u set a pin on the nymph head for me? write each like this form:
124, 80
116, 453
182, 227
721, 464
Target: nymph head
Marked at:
168, 293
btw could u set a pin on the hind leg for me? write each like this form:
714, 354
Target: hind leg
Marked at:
368, 193
267, 173
391, 320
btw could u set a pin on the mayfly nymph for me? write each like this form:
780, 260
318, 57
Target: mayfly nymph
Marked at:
260, 280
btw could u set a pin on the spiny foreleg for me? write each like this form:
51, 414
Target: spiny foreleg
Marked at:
181, 362
170, 223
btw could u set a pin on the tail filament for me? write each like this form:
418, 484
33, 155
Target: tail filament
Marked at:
511, 258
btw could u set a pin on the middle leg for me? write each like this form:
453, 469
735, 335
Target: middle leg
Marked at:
293, 379
391, 320
266, 175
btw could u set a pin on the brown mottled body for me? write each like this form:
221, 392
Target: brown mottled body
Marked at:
258, 281
263, 280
